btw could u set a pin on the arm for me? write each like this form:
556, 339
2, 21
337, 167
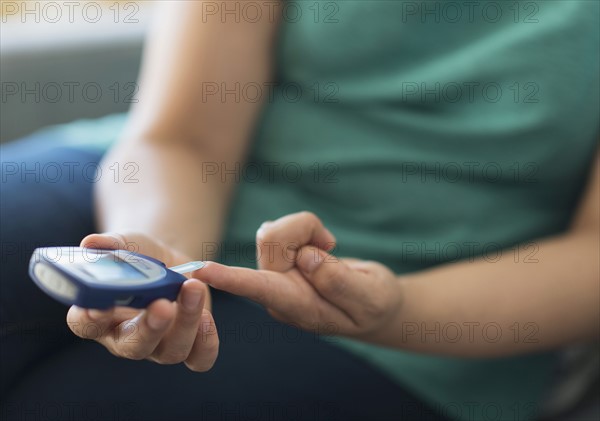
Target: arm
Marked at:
559, 295
529, 306
171, 211
176, 127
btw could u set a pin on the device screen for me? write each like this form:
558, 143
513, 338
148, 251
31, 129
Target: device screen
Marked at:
108, 268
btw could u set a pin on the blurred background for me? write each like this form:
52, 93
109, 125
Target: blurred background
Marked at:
62, 61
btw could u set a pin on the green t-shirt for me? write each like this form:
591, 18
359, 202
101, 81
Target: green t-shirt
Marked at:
423, 133
422, 137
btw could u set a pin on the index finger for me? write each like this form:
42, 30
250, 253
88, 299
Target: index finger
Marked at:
257, 285
287, 296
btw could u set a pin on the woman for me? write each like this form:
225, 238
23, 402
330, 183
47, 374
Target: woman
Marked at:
450, 156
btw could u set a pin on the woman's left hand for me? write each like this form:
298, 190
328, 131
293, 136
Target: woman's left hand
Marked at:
300, 283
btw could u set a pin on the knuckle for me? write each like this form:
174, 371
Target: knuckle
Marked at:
376, 306
268, 237
374, 309
308, 216
267, 243
263, 231
309, 219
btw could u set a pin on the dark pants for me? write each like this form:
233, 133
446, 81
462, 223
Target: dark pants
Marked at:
265, 370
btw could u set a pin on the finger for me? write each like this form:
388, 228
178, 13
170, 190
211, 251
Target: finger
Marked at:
133, 242
109, 241
288, 297
334, 280
90, 324
177, 343
277, 242
206, 345
134, 338
264, 287
137, 338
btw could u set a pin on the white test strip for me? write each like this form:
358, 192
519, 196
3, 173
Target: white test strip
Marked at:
187, 267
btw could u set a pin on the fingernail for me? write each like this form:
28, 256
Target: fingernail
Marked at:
312, 260
155, 322
191, 300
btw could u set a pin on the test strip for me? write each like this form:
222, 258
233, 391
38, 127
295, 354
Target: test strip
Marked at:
187, 267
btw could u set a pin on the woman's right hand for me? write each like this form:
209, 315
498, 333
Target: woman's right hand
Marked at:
165, 332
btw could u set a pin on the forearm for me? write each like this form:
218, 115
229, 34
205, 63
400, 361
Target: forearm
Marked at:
509, 306
163, 193
178, 126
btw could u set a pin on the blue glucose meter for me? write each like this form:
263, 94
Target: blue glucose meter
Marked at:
93, 278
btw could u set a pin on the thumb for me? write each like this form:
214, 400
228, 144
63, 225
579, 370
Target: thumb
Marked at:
335, 281
107, 241
134, 242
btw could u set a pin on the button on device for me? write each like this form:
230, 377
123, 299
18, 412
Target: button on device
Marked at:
55, 281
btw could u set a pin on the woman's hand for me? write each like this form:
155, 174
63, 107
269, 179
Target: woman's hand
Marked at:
300, 283
165, 332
